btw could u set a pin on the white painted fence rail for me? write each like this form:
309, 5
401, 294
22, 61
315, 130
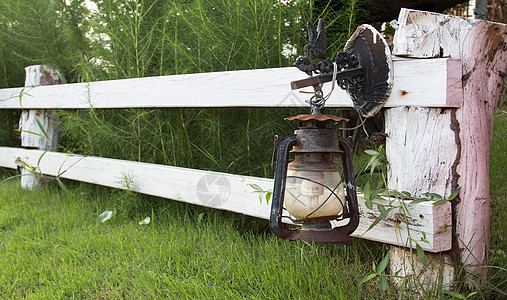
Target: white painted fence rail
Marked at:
428, 83
226, 192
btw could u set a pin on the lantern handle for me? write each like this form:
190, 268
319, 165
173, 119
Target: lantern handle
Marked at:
350, 186
275, 220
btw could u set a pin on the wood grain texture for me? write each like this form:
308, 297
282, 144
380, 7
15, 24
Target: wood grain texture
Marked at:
421, 149
438, 270
416, 82
38, 127
45, 136
481, 47
226, 192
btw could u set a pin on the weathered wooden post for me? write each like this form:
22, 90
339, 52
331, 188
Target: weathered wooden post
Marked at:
441, 150
38, 127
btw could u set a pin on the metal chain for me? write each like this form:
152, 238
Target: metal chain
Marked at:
318, 100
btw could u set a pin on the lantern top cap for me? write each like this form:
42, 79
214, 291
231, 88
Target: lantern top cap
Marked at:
316, 117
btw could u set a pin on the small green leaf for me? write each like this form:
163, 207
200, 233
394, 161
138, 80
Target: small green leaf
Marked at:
392, 193
30, 132
371, 162
377, 220
268, 197
418, 200
20, 97
61, 77
62, 186
454, 294
432, 195
200, 217
26, 164
369, 203
369, 277
40, 157
383, 283
146, 221
41, 128
105, 216
255, 187
420, 254
382, 210
374, 165
440, 201
383, 264
406, 194
454, 194
367, 191
371, 152
69, 196
374, 194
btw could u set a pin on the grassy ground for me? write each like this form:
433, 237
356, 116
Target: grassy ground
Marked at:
498, 177
184, 252
189, 251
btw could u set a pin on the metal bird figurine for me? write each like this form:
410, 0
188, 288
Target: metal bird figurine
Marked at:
317, 41
316, 46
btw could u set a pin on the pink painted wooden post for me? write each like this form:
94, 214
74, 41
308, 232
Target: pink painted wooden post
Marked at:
482, 48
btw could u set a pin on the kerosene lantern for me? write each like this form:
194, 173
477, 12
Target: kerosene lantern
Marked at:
311, 187
318, 186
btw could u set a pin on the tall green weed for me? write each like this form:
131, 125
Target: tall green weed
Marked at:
144, 38
138, 38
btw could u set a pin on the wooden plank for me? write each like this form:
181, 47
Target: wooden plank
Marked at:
416, 82
480, 46
423, 219
409, 90
226, 192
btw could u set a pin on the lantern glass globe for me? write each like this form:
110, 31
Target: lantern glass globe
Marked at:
314, 194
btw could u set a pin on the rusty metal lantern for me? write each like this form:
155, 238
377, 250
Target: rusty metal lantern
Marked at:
311, 186
318, 186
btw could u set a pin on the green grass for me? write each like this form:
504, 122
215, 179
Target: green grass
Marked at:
185, 252
498, 174
498, 177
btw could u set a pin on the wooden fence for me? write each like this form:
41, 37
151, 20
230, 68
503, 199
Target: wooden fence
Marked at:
438, 118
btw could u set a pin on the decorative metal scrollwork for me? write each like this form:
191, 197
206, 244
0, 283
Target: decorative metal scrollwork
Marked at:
363, 68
